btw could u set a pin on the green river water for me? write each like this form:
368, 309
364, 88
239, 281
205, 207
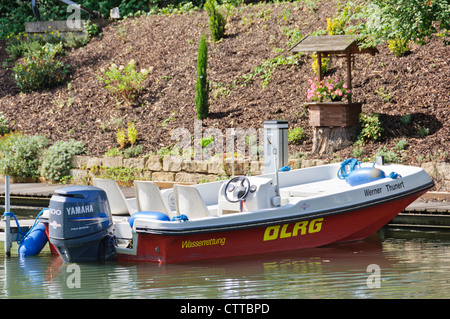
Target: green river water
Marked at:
402, 267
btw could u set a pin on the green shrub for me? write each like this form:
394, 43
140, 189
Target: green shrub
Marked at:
132, 133
20, 155
125, 82
391, 156
121, 137
296, 135
19, 45
202, 85
398, 46
40, 69
401, 144
56, 163
113, 152
133, 151
371, 128
216, 20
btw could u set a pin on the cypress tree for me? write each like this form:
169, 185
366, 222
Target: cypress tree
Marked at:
216, 20
202, 86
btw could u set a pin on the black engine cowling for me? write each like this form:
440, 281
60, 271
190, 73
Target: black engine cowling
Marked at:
80, 224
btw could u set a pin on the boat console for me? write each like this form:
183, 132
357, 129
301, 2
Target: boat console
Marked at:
261, 193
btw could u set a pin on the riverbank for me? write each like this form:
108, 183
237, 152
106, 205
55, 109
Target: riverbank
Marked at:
410, 92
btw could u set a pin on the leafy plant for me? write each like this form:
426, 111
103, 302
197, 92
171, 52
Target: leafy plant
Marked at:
295, 135
398, 46
132, 133
206, 141
266, 69
115, 151
56, 163
294, 35
390, 156
171, 118
133, 151
401, 144
121, 137
202, 85
20, 155
125, 82
40, 69
384, 95
371, 128
121, 174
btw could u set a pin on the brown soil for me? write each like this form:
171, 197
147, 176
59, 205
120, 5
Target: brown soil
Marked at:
417, 84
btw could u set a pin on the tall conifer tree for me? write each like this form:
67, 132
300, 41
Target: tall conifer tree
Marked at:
202, 86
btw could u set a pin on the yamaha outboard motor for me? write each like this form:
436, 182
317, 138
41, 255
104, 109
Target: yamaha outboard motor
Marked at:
80, 224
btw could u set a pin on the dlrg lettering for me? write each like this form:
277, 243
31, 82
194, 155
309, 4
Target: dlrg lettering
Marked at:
293, 230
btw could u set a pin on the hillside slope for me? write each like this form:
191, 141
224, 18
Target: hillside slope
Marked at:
416, 84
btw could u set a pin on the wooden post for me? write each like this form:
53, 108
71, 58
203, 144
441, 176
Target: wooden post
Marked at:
319, 65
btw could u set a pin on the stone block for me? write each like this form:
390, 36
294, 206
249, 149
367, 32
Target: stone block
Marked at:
134, 162
85, 162
163, 176
195, 166
115, 161
241, 166
78, 161
215, 166
172, 163
444, 169
188, 177
154, 163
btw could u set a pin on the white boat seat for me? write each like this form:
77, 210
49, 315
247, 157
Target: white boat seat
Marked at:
148, 197
189, 202
118, 203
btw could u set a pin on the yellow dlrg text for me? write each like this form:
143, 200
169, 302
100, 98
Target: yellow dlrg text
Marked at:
293, 230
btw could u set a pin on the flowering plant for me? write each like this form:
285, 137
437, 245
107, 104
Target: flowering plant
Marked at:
328, 89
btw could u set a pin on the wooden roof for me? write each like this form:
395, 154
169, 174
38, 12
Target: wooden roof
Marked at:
331, 44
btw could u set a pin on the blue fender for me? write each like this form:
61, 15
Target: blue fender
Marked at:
34, 241
365, 175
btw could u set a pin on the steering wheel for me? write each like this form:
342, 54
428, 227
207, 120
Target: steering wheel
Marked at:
238, 187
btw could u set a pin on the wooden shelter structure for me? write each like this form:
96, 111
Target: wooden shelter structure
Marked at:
334, 123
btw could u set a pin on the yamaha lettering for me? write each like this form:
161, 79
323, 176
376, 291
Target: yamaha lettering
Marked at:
80, 210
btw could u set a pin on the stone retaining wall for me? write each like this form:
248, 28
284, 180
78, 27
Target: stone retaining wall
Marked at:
177, 169
167, 168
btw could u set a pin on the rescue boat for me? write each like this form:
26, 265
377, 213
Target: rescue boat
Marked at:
282, 211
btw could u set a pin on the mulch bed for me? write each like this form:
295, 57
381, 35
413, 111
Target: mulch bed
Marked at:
416, 84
